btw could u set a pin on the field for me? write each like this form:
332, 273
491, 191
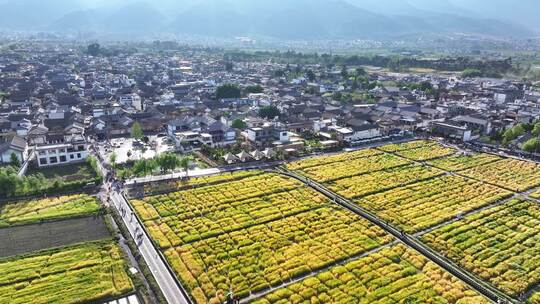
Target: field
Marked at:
422, 205
463, 162
375, 182
54, 208
392, 275
500, 244
31, 238
512, 174
535, 194
66, 173
273, 239
251, 232
79, 274
329, 171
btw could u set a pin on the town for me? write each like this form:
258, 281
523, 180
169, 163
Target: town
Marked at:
162, 173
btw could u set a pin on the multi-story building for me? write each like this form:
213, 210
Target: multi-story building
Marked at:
71, 149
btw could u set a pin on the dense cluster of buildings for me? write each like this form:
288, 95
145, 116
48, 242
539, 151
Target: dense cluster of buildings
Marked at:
54, 100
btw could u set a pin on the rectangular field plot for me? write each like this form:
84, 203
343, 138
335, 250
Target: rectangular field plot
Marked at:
334, 171
80, 274
170, 231
535, 194
175, 185
407, 145
426, 152
341, 157
513, 174
424, 204
463, 162
36, 210
370, 183
201, 201
262, 256
501, 245
392, 275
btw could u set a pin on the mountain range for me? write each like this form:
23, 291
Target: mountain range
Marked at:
279, 19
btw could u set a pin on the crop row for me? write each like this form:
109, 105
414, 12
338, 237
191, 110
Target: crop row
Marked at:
78, 274
175, 185
426, 152
171, 231
259, 257
365, 184
511, 174
500, 244
407, 145
535, 194
202, 200
427, 203
35, 210
334, 171
337, 158
392, 275
463, 162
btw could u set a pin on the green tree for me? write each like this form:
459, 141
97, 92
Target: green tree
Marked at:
532, 146
167, 162
344, 72
255, 89
112, 159
238, 124
471, 73
360, 72
228, 91
184, 164
14, 160
269, 112
513, 133
536, 129
93, 49
311, 75
137, 131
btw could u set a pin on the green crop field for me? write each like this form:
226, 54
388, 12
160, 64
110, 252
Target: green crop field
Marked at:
85, 273
36, 210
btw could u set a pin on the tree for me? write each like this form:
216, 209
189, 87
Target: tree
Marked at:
255, 89
94, 49
471, 73
344, 72
310, 75
112, 159
228, 91
167, 162
532, 145
238, 124
269, 112
136, 131
360, 72
513, 133
184, 163
536, 129
14, 160
229, 66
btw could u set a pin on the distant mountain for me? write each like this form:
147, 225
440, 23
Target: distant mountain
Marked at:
280, 19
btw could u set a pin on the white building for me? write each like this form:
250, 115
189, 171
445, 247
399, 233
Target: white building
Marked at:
72, 150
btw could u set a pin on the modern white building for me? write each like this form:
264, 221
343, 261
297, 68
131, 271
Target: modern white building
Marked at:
74, 149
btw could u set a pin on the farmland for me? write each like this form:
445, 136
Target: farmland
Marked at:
513, 174
392, 275
536, 194
274, 239
36, 210
463, 162
427, 203
79, 274
500, 244
253, 231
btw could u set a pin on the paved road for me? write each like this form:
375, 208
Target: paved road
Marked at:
173, 294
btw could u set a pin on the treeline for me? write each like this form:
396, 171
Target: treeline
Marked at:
396, 63
164, 163
12, 185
